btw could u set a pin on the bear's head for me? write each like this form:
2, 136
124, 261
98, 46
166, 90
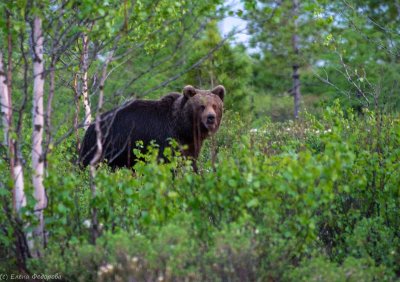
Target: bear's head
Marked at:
206, 106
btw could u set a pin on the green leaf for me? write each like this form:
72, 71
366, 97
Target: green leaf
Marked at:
252, 203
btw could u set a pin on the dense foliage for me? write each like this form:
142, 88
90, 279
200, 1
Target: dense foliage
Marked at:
314, 199
285, 201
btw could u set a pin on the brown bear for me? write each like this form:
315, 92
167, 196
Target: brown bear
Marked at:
187, 118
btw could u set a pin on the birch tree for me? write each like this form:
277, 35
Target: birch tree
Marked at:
16, 170
99, 147
85, 87
5, 106
10, 141
37, 136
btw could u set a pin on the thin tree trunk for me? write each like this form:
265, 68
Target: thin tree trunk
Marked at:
9, 68
16, 169
49, 109
99, 150
296, 75
85, 88
19, 193
19, 199
11, 143
4, 101
77, 110
37, 136
18, 173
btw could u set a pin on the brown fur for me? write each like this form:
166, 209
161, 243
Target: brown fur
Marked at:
189, 119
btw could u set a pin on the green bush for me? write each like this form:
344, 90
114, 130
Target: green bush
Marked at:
264, 202
167, 251
321, 269
372, 237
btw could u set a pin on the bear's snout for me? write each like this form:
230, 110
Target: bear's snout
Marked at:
210, 118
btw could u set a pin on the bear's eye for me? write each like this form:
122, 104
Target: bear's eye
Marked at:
214, 107
202, 108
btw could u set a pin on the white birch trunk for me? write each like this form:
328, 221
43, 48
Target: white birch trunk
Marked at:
37, 136
19, 193
85, 91
99, 150
4, 101
15, 167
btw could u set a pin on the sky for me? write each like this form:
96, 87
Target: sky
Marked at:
231, 22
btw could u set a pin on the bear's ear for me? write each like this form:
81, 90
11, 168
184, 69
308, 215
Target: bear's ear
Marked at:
219, 91
189, 91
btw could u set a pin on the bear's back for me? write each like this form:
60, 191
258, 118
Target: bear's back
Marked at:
144, 120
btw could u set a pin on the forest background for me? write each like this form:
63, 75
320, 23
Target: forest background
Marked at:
301, 182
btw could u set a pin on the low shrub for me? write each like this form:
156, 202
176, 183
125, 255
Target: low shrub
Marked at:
266, 200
